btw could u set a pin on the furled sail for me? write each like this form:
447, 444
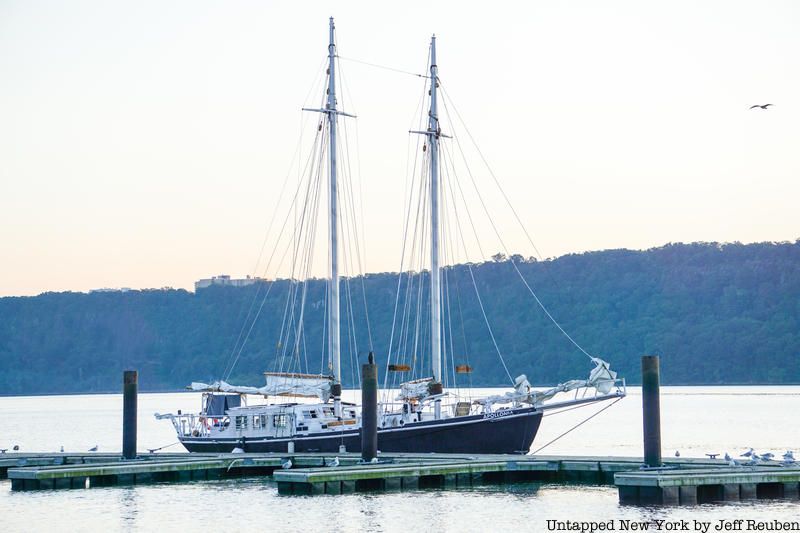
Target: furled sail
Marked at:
292, 384
601, 378
278, 384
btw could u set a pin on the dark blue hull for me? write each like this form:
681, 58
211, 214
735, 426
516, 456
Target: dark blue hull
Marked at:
508, 431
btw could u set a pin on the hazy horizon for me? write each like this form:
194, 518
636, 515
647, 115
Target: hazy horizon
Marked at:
144, 144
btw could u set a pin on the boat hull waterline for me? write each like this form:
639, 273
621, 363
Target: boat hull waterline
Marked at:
510, 431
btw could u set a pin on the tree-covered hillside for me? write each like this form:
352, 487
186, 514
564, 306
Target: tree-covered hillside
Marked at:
714, 313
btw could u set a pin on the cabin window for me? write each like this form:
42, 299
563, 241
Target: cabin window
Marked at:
352, 413
241, 422
263, 421
279, 421
256, 422
309, 414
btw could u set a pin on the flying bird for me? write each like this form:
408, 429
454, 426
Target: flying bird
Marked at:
761, 106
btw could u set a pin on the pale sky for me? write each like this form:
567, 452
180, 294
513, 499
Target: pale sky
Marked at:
143, 144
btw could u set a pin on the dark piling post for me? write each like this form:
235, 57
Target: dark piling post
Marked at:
369, 410
651, 410
130, 390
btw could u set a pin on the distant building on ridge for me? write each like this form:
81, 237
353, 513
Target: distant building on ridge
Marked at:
226, 280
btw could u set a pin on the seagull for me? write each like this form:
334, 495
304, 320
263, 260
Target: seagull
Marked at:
788, 457
287, 464
767, 456
727, 457
333, 463
16, 448
677, 453
761, 106
62, 449
748, 453
753, 461
94, 448
237, 450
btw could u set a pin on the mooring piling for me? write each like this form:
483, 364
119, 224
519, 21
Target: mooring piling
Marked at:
651, 410
130, 390
369, 410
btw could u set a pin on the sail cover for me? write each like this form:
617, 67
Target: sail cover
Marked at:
290, 384
278, 384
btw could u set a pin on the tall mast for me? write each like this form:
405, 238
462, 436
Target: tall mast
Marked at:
436, 308
333, 228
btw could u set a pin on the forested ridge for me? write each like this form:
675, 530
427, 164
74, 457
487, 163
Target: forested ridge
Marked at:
715, 313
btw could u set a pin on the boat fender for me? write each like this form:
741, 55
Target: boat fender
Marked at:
195, 433
402, 423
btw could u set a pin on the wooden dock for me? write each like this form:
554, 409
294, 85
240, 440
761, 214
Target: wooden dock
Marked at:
684, 481
690, 486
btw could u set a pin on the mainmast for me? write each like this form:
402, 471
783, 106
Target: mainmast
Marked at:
333, 229
436, 308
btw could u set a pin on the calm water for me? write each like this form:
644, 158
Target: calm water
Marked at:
695, 420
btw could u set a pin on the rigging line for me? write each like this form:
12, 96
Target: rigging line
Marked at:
516, 268
469, 268
497, 182
291, 246
309, 224
227, 372
400, 71
299, 262
491, 172
448, 274
363, 244
419, 318
353, 221
407, 220
252, 325
564, 410
308, 260
575, 427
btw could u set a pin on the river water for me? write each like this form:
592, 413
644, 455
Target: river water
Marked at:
695, 421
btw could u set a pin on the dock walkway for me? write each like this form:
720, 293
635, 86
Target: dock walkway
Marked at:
682, 481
